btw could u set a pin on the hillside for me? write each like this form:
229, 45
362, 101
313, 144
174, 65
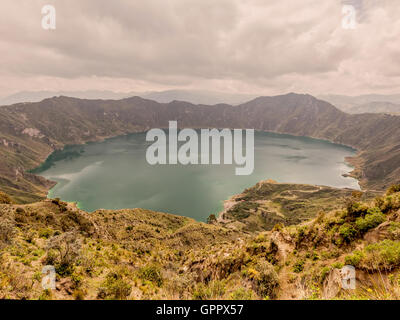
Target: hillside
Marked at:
29, 132
140, 254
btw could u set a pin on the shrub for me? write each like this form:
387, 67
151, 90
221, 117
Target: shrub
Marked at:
324, 273
242, 294
63, 251
214, 290
312, 255
45, 295
20, 211
384, 254
79, 294
301, 235
394, 230
354, 259
211, 219
7, 231
337, 265
278, 227
298, 266
45, 233
5, 198
388, 203
266, 280
393, 189
356, 209
151, 273
114, 287
374, 218
347, 232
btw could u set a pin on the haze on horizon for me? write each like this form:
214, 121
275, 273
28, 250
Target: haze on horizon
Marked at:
235, 46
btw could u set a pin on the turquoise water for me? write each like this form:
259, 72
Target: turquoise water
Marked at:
114, 174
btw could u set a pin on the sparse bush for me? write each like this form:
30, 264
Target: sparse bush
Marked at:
45, 233
151, 273
79, 294
312, 255
114, 287
354, 259
265, 279
213, 290
324, 273
337, 265
7, 231
298, 266
45, 295
63, 251
278, 227
242, 294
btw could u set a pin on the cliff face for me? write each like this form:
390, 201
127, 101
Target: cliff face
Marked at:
30, 132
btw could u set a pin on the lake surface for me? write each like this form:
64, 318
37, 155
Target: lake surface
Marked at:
114, 174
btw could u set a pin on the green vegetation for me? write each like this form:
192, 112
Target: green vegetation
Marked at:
141, 254
268, 203
114, 287
372, 219
151, 273
298, 266
384, 255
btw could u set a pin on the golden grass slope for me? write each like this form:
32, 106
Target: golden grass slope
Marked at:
140, 254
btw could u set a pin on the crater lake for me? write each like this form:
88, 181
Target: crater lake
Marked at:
114, 174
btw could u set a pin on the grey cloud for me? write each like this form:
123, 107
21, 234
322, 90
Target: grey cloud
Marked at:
237, 44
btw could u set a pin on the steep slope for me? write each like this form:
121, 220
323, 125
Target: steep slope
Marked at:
30, 132
140, 254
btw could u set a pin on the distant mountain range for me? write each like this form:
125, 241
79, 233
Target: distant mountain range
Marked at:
192, 96
29, 132
376, 107
371, 103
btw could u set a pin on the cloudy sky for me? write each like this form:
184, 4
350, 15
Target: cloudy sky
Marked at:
246, 46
